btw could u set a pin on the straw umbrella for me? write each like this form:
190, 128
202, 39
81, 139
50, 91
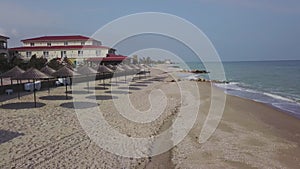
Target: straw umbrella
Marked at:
143, 70
119, 70
85, 70
48, 71
127, 70
137, 69
147, 67
16, 71
103, 69
111, 67
33, 74
65, 72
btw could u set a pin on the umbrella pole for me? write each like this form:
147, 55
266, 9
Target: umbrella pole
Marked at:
18, 89
125, 76
70, 82
1, 81
103, 80
88, 84
34, 95
66, 90
48, 86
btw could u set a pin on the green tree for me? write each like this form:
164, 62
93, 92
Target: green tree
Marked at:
54, 64
37, 62
4, 64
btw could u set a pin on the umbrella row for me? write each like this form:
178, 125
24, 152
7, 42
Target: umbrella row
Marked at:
47, 73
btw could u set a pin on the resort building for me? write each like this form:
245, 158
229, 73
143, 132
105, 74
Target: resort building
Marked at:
76, 48
3, 45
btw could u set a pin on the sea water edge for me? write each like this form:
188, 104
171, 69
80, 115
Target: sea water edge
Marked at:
275, 83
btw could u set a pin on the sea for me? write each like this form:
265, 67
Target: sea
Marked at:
276, 83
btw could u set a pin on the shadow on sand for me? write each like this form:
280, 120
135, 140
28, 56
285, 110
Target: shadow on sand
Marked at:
22, 105
118, 92
79, 92
129, 88
79, 105
96, 88
137, 85
101, 97
144, 82
6, 135
56, 97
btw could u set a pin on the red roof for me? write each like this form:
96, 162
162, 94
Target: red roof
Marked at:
58, 38
77, 47
108, 58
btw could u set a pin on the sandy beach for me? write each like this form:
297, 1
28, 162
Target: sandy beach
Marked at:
249, 135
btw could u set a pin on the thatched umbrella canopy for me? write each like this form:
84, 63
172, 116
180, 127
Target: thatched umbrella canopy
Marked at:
148, 68
142, 70
14, 72
33, 74
47, 70
127, 69
86, 70
65, 72
112, 67
135, 68
103, 69
118, 71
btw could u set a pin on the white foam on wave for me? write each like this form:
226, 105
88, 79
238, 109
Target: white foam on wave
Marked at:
291, 107
280, 102
278, 97
234, 86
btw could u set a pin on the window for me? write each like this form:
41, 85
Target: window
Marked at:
80, 53
48, 44
82, 43
63, 54
98, 52
3, 45
31, 44
46, 53
66, 43
28, 54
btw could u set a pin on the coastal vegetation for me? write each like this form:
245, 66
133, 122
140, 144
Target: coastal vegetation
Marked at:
7, 63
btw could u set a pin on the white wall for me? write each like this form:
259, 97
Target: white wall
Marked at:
70, 53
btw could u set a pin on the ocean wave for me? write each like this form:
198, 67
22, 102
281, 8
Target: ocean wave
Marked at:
280, 102
279, 97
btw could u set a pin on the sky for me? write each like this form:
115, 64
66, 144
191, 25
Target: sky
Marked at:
240, 30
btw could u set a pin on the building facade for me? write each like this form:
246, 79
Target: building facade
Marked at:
3, 46
77, 48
